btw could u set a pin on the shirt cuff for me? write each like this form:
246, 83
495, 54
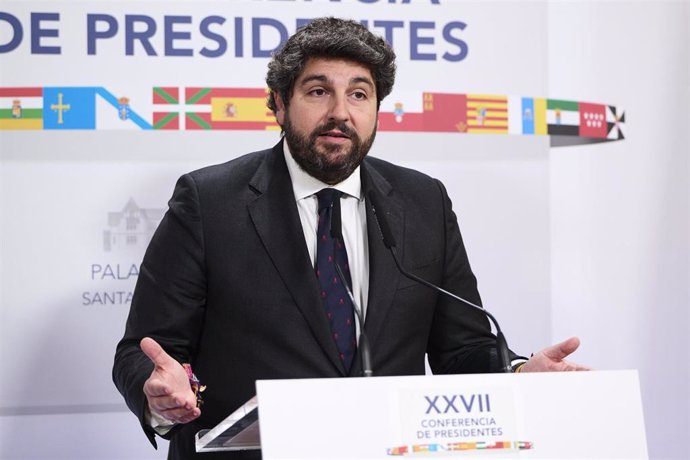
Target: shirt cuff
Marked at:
160, 424
516, 364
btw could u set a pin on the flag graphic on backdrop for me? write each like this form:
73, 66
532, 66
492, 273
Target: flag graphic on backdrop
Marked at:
445, 112
228, 108
615, 119
69, 108
205, 108
441, 112
487, 114
166, 112
563, 117
526, 115
407, 114
593, 120
21, 108
114, 112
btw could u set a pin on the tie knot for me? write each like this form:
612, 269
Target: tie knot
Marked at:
326, 197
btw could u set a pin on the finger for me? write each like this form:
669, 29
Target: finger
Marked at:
162, 404
577, 367
165, 403
181, 415
559, 351
155, 353
156, 387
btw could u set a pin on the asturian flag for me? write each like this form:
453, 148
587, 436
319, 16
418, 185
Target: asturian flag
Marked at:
69, 108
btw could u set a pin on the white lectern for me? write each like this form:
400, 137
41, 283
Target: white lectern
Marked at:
576, 415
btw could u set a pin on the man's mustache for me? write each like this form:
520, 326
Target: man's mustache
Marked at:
335, 125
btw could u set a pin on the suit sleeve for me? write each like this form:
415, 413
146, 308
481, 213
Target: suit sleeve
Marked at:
169, 299
461, 340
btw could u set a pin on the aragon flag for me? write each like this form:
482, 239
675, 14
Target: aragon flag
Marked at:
487, 114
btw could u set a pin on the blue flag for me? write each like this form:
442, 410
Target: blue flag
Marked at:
69, 108
527, 115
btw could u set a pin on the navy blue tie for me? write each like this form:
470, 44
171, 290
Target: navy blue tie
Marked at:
336, 300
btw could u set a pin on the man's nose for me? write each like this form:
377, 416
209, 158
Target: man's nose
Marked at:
338, 109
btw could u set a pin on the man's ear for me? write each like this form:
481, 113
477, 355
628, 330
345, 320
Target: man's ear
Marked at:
280, 109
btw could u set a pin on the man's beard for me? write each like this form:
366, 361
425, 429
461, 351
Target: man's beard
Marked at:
325, 162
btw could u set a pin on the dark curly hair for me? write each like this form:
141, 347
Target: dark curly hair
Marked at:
330, 38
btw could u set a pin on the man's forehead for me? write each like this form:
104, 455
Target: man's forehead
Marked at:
327, 68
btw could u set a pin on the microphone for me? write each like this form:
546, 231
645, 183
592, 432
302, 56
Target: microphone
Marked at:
389, 242
337, 233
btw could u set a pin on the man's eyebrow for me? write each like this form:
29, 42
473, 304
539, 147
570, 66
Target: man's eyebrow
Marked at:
324, 79
316, 77
364, 80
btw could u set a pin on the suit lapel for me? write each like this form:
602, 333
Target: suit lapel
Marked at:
383, 273
276, 220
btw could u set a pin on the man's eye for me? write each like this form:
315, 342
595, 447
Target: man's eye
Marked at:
360, 95
318, 92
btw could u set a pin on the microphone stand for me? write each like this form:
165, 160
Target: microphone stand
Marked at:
389, 242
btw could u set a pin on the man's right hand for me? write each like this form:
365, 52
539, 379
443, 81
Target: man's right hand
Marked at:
167, 390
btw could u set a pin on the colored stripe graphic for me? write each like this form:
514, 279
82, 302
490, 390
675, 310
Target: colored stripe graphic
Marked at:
415, 449
540, 116
26, 113
219, 108
21, 92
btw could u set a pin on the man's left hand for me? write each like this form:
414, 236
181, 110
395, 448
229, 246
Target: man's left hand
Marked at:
552, 359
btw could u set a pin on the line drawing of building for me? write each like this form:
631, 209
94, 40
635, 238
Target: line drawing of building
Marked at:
132, 227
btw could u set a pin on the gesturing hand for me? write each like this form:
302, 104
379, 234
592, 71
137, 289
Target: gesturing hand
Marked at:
167, 390
552, 359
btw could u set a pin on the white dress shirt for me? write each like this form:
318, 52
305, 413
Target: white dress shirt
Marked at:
354, 221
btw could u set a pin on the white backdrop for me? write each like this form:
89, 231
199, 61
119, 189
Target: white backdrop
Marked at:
589, 240
619, 212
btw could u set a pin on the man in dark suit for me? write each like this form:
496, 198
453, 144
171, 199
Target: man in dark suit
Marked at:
232, 282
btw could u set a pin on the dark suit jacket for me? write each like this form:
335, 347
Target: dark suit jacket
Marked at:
227, 285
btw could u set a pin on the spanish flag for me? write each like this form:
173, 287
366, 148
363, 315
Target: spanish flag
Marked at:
229, 108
